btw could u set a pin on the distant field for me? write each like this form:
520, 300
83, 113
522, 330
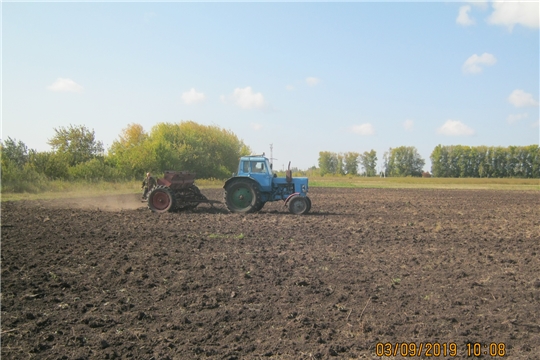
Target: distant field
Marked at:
61, 189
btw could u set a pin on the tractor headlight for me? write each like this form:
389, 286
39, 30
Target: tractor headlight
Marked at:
304, 188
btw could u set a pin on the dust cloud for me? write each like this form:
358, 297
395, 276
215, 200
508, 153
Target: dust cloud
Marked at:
102, 202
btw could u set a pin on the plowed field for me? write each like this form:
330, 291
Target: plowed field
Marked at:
105, 278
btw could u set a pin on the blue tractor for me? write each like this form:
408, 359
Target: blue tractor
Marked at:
255, 184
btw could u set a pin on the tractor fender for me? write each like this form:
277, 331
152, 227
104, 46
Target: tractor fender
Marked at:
239, 177
290, 196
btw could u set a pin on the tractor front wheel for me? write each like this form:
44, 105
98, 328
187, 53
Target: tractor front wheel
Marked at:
308, 205
298, 205
161, 200
242, 196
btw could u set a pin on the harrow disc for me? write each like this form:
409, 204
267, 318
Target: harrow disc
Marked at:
189, 198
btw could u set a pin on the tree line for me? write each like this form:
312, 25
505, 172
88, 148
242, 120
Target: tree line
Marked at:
447, 161
210, 151
347, 163
486, 161
401, 161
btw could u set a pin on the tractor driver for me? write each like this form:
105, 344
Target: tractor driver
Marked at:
148, 184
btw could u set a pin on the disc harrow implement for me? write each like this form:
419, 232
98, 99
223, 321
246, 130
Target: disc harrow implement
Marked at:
176, 191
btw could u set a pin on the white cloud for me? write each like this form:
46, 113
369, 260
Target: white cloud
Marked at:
516, 117
65, 85
520, 98
408, 124
536, 124
473, 64
510, 14
455, 128
247, 99
256, 126
222, 99
289, 87
463, 16
192, 96
312, 81
363, 129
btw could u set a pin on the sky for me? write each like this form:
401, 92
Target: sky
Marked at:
300, 77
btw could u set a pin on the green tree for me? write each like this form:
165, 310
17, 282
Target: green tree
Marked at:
131, 153
15, 152
328, 162
52, 165
498, 162
97, 169
404, 161
18, 174
78, 143
207, 150
533, 161
463, 166
477, 157
350, 163
340, 169
437, 167
368, 160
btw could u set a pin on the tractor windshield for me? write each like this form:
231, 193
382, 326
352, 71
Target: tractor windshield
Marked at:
258, 167
254, 166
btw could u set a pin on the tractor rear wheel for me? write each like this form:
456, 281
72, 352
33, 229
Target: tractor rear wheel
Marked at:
260, 206
298, 205
161, 200
242, 196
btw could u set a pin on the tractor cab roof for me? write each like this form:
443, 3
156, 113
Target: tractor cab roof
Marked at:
254, 158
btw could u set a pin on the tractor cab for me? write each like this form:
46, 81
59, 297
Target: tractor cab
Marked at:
258, 168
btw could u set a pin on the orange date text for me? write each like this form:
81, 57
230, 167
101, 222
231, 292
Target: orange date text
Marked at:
427, 349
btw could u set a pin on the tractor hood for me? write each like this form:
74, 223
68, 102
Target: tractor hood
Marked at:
300, 183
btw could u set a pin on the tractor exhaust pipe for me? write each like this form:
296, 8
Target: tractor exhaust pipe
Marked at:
288, 173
